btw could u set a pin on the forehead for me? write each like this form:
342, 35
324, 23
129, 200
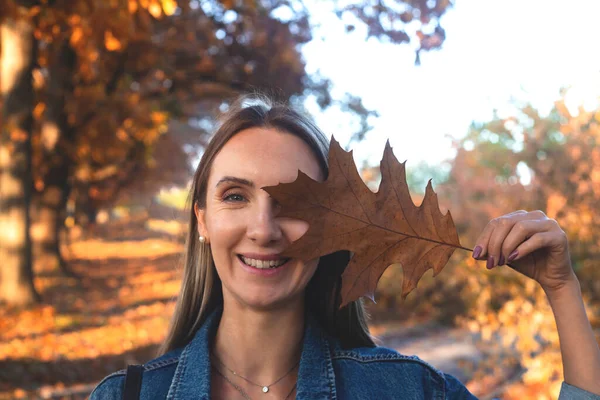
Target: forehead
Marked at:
266, 156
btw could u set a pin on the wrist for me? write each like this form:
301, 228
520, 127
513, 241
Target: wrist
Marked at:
570, 288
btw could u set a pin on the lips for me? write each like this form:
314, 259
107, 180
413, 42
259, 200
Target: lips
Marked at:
263, 262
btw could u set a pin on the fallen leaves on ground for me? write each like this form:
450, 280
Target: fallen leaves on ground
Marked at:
116, 315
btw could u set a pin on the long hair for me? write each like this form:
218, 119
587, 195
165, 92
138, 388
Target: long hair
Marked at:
201, 290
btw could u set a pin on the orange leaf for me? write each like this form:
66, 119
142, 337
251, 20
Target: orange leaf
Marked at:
76, 36
38, 111
110, 42
132, 6
155, 9
380, 228
169, 7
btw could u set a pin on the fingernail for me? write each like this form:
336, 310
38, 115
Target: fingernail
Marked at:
490, 262
501, 260
477, 252
513, 255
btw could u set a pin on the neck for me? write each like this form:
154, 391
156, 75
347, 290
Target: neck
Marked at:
261, 345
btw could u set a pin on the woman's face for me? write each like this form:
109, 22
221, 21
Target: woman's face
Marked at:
240, 219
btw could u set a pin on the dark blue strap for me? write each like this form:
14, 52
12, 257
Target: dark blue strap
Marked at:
133, 382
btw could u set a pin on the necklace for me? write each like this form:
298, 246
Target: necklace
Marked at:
265, 388
243, 392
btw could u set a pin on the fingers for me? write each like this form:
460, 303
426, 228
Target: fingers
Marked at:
508, 238
503, 225
520, 238
535, 242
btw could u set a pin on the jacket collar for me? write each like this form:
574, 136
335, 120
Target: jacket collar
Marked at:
316, 378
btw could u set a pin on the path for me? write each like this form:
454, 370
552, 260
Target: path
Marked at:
450, 350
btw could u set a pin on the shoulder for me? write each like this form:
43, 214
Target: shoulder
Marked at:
157, 377
382, 367
365, 356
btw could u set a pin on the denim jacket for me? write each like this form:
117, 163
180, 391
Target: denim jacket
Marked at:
326, 372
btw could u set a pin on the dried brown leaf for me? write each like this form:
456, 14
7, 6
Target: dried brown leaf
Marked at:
380, 228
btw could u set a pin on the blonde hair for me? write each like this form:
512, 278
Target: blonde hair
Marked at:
201, 291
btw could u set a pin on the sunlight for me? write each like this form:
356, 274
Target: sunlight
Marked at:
583, 94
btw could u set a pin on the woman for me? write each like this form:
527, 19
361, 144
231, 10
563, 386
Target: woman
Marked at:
250, 324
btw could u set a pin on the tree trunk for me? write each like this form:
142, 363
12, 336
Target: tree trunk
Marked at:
16, 64
57, 145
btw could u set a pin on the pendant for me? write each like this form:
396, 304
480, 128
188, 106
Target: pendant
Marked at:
265, 389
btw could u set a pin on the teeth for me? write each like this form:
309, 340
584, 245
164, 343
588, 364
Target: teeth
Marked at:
260, 264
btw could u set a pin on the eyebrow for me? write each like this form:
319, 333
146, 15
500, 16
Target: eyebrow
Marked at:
233, 179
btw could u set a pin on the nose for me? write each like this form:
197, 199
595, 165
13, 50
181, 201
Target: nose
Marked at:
263, 228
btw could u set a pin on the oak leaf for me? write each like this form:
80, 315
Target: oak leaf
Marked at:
380, 228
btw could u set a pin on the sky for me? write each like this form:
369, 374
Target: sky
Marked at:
496, 52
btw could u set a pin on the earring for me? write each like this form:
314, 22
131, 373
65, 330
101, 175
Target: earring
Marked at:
202, 239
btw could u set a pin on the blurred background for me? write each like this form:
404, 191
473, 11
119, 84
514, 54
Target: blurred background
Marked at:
107, 104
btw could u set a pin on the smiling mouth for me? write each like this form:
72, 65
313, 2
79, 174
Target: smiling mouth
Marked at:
263, 264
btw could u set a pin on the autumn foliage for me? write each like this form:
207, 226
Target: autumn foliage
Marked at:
118, 97
508, 312
93, 326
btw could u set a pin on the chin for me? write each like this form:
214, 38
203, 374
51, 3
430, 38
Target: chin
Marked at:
260, 302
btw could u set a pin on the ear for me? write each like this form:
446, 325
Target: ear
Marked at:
200, 216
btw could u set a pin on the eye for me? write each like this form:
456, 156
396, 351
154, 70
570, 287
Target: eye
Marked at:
234, 197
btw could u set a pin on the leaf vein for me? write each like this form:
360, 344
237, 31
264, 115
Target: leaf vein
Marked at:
355, 196
420, 258
362, 271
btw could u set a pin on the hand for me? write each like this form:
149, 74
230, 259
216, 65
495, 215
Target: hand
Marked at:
532, 244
